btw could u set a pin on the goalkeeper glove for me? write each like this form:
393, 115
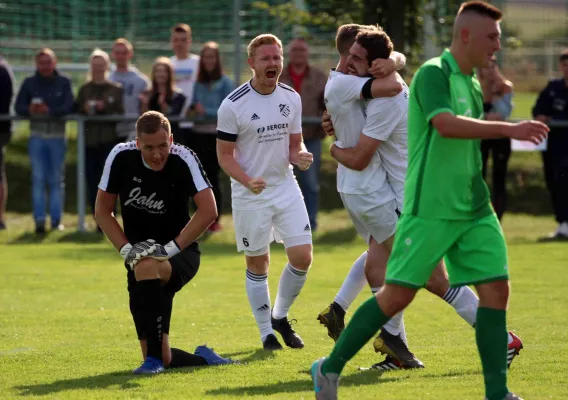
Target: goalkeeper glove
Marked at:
138, 252
166, 251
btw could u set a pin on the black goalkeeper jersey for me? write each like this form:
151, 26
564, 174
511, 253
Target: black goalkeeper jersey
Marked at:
154, 204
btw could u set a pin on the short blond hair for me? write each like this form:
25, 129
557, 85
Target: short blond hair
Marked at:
125, 43
101, 54
46, 52
261, 40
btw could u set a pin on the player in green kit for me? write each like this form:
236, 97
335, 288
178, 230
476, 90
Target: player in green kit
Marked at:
447, 211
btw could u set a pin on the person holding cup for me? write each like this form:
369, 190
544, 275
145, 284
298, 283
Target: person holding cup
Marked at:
99, 96
46, 94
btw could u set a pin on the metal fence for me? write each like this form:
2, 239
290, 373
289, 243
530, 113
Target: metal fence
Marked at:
81, 157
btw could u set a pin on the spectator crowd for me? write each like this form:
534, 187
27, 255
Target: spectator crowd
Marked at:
193, 86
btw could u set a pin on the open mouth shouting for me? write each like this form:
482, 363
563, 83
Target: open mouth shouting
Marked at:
271, 73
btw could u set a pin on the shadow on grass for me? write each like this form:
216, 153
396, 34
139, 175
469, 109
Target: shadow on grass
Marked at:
29, 238
301, 385
255, 355
122, 379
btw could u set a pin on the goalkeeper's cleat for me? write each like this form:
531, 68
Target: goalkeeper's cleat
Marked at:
325, 386
271, 343
514, 348
395, 347
290, 337
333, 318
510, 396
150, 366
211, 357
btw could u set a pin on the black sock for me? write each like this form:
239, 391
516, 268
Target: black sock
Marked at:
338, 309
182, 358
150, 292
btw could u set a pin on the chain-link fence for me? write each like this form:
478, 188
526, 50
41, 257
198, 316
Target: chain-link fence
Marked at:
535, 31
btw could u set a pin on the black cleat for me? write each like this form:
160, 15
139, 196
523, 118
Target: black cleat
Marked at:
291, 338
388, 364
271, 343
395, 347
333, 318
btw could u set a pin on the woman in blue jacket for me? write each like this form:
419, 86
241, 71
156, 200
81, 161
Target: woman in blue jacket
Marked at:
211, 88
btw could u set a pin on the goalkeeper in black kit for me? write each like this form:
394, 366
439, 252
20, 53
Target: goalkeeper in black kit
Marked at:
155, 179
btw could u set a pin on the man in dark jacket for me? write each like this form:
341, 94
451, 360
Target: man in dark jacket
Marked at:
309, 81
47, 94
6, 95
552, 104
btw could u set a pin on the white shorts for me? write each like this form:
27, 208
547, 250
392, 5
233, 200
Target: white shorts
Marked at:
285, 222
369, 219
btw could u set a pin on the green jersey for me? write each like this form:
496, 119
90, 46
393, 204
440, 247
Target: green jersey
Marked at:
444, 179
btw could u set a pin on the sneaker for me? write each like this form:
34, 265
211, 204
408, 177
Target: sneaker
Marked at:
395, 347
58, 227
211, 357
284, 328
325, 386
271, 343
514, 348
150, 366
2, 226
333, 318
510, 396
40, 228
561, 234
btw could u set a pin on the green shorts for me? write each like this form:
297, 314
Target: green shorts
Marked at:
474, 251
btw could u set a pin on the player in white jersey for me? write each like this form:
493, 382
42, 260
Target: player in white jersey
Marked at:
365, 191
385, 133
259, 136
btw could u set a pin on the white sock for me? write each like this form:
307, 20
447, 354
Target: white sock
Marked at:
464, 301
395, 325
291, 283
353, 283
403, 331
259, 300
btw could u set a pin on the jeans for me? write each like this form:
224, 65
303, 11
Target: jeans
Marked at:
309, 181
95, 162
47, 157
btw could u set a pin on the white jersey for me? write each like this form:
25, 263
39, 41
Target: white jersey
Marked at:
261, 126
342, 99
186, 75
387, 121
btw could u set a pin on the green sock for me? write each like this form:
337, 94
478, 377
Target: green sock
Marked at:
366, 321
491, 337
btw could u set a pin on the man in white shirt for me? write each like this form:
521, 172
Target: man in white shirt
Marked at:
365, 192
186, 67
385, 134
259, 136
134, 84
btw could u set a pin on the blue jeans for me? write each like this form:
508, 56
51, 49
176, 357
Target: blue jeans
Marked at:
47, 157
309, 181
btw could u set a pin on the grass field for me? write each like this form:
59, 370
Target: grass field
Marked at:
66, 331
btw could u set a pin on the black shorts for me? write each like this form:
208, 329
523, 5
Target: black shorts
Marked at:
184, 267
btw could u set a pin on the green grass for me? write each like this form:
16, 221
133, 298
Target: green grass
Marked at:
66, 332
